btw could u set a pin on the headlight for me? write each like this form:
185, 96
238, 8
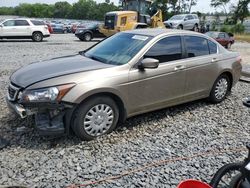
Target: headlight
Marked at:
50, 94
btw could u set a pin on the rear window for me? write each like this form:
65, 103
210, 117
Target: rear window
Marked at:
37, 22
21, 23
196, 46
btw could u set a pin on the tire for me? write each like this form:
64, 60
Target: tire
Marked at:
223, 171
37, 37
196, 29
220, 89
87, 37
180, 27
236, 181
229, 45
95, 117
81, 39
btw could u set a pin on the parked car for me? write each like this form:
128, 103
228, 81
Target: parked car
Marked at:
184, 21
59, 28
24, 29
88, 33
225, 39
129, 73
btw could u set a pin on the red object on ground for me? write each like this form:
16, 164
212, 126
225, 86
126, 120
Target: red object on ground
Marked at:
193, 184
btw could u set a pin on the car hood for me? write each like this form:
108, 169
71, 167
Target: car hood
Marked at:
56, 67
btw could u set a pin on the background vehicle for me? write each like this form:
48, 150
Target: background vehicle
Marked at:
135, 16
184, 21
24, 29
59, 28
93, 91
89, 32
225, 39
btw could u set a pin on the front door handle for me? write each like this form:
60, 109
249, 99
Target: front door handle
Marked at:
179, 67
214, 60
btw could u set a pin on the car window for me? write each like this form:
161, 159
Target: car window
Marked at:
189, 17
21, 23
226, 35
123, 20
9, 23
196, 46
167, 49
221, 35
37, 22
212, 47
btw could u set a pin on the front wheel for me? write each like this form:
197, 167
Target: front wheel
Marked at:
87, 37
220, 89
95, 117
229, 45
37, 37
180, 27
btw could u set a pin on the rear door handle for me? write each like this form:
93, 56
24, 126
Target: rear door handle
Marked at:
214, 60
179, 67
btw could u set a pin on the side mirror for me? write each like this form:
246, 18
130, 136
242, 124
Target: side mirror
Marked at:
148, 63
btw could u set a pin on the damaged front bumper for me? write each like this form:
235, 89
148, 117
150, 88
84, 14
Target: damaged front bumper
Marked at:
49, 119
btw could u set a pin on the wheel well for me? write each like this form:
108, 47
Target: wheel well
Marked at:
196, 24
88, 33
118, 101
37, 32
230, 76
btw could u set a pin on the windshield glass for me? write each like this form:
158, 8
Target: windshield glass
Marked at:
118, 49
177, 17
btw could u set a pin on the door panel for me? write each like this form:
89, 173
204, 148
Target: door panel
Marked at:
156, 88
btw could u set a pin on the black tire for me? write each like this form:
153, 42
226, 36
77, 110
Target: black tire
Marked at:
37, 37
229, 45
236, 181
214, 96
180, 27
83, 111
196, 29
87, 37
223, 171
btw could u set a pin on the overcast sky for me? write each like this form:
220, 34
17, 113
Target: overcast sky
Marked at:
202, 5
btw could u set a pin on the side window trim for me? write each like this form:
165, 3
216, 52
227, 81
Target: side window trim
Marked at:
182, 49
186, 52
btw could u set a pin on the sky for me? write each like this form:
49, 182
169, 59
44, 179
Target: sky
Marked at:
202, 5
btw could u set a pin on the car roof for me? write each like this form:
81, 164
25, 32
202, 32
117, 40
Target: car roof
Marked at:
155, 32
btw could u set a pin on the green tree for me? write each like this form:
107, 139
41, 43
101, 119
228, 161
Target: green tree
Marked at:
241, 11
62, 10
220, 3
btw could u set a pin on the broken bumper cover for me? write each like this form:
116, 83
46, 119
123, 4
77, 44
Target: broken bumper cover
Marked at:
48, 121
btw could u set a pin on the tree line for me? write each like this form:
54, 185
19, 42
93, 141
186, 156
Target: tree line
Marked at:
90, 10
83, 9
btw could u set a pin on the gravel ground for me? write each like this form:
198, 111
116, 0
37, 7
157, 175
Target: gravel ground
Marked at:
181, 131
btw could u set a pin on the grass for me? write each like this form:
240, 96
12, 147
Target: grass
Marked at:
242, 37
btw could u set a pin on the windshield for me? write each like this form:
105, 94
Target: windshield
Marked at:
177, 17
118, 49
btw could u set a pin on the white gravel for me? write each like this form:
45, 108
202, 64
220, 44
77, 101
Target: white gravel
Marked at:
183, 130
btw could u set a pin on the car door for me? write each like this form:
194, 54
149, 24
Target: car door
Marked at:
8, 28
190, 21
163, 86
201, 67
23, 28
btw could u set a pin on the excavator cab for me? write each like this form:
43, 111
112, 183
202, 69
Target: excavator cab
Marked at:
135, 15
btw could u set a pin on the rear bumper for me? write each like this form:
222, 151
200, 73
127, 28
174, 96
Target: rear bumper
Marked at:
45, 36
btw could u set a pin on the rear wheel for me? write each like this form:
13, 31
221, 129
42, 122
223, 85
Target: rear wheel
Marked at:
229, 45
220, 89
95, 117
236, 181
196, 29
37, 37
87, 37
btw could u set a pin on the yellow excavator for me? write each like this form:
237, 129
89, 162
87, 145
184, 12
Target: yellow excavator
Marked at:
135, 15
